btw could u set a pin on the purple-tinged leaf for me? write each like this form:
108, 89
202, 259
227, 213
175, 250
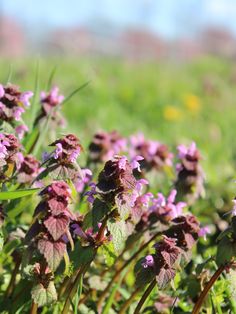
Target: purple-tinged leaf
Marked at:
44, 296
57, 226
52, 251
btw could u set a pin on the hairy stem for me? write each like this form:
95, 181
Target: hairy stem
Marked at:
206, 289
145, 296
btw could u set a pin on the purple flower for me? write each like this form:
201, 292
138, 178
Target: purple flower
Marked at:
135, 163
204, 231
140, 183
58, 151
53, 98
148, 262
17, 112
91, 193
74, 155
167, 209
25, 97
122, 162
20, 130
83, 179
2, 92
3, 151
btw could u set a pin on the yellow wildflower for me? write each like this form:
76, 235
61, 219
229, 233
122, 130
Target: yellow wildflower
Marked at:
171, 113
192, 103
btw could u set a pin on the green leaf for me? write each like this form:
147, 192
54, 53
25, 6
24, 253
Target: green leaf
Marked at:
118, 232
75, 92
10, 195
225, 251
109, 253
1, 240
81, 255
97, 213
44, 296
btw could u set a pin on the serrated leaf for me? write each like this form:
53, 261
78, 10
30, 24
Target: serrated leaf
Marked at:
56, 226
164, 277
44, 296
118, 232
124, 202
52, 251
10, 195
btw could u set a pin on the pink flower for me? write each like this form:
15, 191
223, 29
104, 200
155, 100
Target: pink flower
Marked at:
135, 162
17, 112
58, 151
122, 162
149, 261
204, 231
91, 193
140, 183
2, 92
25, 97
81, 181
20, 130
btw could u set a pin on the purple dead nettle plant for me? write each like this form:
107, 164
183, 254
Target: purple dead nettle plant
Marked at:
114, 196
50, 105
176, 242
28, 168
49, 235
190, 176
105, 145
13, 103
9, 147
61, 163
155, 154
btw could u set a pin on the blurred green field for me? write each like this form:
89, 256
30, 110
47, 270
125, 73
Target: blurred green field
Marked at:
171, 102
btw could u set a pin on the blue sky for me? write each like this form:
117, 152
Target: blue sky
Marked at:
170, 18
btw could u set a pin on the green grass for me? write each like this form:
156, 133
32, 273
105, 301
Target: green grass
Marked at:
133, 97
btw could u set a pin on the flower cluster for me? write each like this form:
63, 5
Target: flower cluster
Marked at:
67, 149
165, 209
13, 102
190, 174
156, 155
105, 145
28, 168
9, 146
61, 164
177, 241
49, 102
52, 223
117, 184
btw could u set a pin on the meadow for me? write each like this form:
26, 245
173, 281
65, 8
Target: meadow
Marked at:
170, 102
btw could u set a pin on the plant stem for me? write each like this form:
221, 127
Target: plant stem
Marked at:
117, 274
206, 289
73, 287
13, 279
145, 296
129, 301
34, 308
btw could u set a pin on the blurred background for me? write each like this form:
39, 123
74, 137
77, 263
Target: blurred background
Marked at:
133, 30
